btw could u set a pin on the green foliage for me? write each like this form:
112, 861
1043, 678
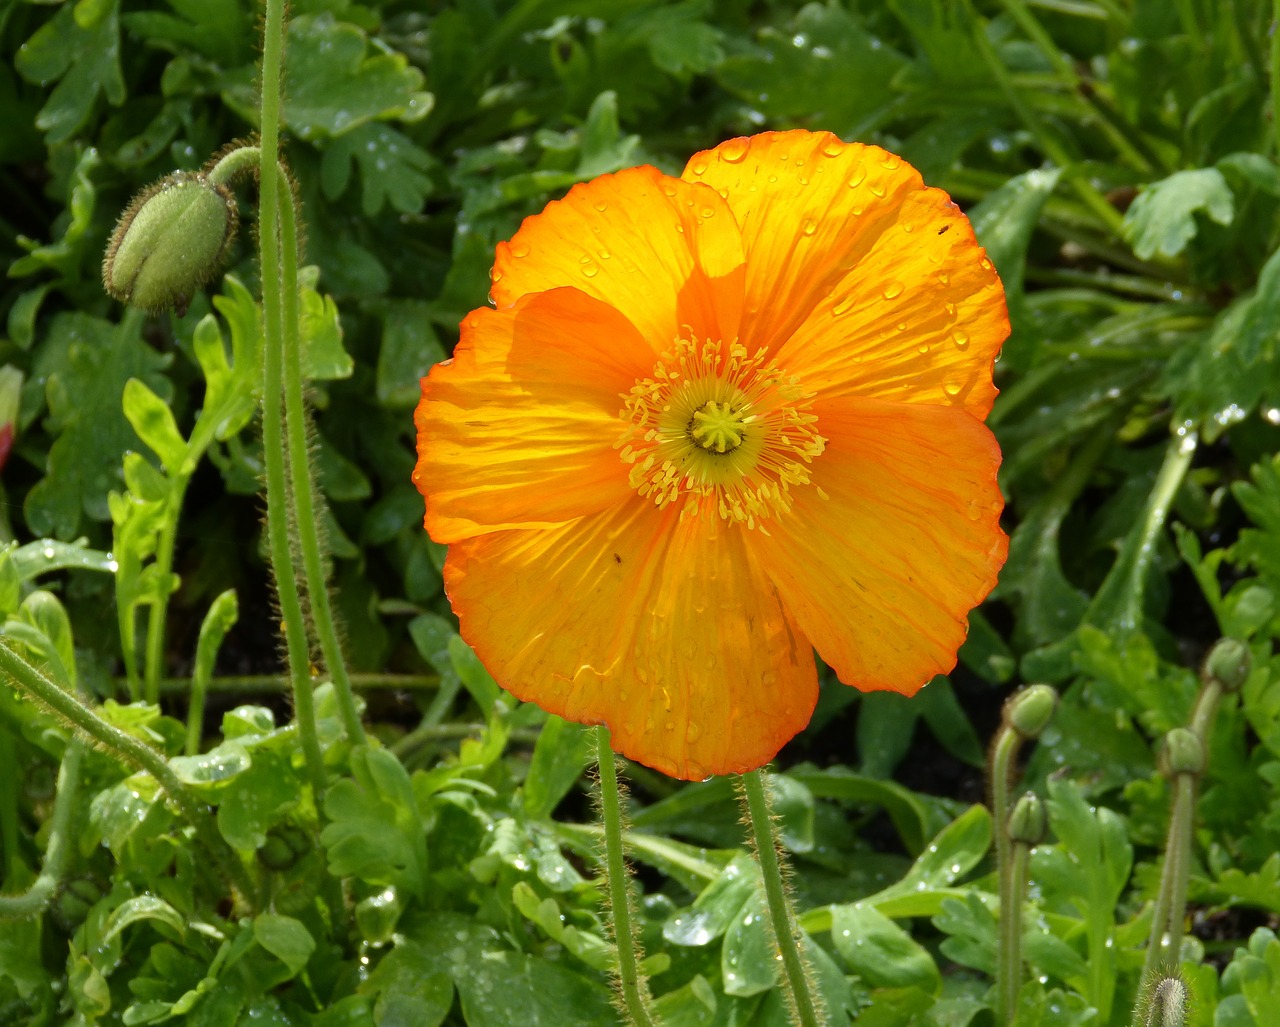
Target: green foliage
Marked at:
1118, 164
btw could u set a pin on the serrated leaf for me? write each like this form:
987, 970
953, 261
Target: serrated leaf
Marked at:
1162, 218
92, 432
154, 422
392, 169
334, 83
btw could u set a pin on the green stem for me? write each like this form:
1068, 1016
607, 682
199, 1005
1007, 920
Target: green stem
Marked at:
8, 807
635, 997
796, 979
1048, 143
1171, 900
130, 750
158, 614
1009, 961
278, 500
1004, 752
1275, 75
306, 519
34, 900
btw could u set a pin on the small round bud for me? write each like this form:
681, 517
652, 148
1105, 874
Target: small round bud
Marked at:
1182, 753
169, 242
285, 845
376, 916
1028, 821
1228, 663
1029, 710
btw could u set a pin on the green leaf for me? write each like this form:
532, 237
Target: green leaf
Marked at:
323, 358
409, 988
881, 952
498, 986
410, 348
152, 419
85, 414
1162, 218
392, 169
210, 772
748, 957
562, 752
374, 831
144, 907
255, 800
334, 83
717, 906
81, 47
285, 938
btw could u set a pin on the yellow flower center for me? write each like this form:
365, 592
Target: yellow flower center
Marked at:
715, 421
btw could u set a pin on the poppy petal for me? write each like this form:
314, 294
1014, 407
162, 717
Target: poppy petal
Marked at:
881, 574
660, 626
665, 253
869, 282
518, 429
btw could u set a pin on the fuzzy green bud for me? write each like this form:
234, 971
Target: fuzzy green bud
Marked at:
1029, 710
1168, 1004
1028, 821
1228, 663
1183, 753
169, 242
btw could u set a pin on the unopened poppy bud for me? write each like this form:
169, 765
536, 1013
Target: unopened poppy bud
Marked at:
1028, 821
1228, 663
1168, 1004
169, 242
10, 397
1028, 711
1183, 753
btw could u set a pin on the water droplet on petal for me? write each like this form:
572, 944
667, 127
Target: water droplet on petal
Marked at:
834, 147
952, 389
961, 338
809, 227
907, 226
519, 249
893, 290
698, 167
843, 306
734, 150
591, 270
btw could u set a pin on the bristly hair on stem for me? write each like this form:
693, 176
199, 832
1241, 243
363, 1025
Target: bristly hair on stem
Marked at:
631, 987
799, 985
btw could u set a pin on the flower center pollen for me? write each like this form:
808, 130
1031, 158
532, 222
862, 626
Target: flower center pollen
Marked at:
714, 422
717, 427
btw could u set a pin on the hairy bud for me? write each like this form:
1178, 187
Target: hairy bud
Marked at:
169, 242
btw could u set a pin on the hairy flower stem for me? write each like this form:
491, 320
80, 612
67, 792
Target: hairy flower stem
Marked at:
1004, 754
1165, 1004
129, 750
33, 901
797, 980
273, 453
631, 981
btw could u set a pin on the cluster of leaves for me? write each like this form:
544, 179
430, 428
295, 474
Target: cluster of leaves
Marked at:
1119, 164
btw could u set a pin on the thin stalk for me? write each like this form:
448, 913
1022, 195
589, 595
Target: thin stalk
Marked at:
1009, 962
1004, 752
129, 750
795, 978
8, 807
631, 981
1171, 900
1275, 75
303, 488
278, 502
259, 684
158, 614
33, 901
1050, 146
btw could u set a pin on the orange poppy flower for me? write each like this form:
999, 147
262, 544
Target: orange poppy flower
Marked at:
714, 422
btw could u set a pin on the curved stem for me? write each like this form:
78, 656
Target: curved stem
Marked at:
1171, 900
795, 975
34, 900
270, 257
303, 488
635, 999
130, 750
